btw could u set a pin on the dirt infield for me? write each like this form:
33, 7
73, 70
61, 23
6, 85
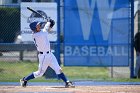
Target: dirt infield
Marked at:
77, 89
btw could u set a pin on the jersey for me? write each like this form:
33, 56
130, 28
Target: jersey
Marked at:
41, 40
46, 58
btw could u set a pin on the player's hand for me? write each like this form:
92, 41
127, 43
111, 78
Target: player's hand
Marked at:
52, 23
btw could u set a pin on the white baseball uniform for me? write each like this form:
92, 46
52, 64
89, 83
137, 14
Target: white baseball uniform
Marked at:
46, 57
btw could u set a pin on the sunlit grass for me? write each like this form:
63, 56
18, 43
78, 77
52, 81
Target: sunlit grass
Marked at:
13, 71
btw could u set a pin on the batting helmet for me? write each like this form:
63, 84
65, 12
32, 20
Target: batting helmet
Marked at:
33, 25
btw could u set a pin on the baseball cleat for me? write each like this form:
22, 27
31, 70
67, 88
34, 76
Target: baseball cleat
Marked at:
23, 83
69, 85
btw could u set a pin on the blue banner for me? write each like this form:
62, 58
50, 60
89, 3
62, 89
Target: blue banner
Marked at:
97, 32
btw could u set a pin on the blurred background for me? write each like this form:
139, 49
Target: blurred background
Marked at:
18, 57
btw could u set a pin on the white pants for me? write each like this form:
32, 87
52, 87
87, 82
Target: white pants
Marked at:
137, 65
45, 60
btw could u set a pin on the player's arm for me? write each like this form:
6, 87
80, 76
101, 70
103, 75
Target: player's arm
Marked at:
52, 22
46, 27
49, 25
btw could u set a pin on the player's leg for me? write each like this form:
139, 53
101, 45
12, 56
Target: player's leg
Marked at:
55, 66
43, 64
64, 78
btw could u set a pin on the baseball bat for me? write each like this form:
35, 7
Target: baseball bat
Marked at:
34, 11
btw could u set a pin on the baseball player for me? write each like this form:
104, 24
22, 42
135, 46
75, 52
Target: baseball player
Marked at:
45, 56
137, 48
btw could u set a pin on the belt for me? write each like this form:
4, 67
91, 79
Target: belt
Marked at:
44, 52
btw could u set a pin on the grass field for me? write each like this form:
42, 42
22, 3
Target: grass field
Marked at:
13, 71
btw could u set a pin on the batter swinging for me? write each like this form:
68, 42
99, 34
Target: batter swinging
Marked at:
46, 57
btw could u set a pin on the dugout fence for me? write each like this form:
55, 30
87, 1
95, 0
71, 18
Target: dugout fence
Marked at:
17, 57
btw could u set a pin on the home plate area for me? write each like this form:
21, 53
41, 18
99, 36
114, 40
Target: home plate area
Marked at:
80, 87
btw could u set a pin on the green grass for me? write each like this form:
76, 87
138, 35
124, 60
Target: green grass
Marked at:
86, 72
10, 71
13, 71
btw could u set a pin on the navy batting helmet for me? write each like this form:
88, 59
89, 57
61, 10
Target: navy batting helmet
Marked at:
33, 25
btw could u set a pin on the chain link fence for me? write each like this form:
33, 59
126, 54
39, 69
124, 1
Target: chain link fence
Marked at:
16, 60
12, 54
10, 30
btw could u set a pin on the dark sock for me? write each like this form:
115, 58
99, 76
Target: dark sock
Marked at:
63, 77
31, 76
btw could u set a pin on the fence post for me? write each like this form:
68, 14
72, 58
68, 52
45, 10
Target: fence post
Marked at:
132, 40
21, 55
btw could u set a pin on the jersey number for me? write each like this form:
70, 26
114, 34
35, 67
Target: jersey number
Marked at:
35, 42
